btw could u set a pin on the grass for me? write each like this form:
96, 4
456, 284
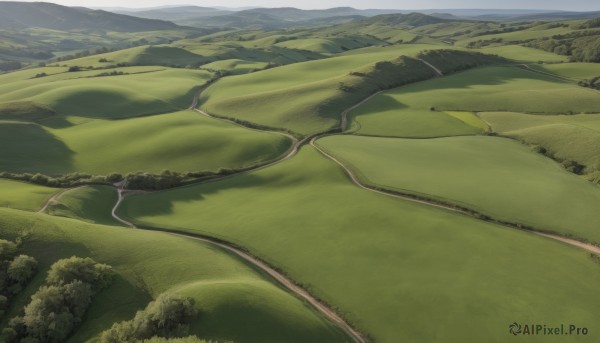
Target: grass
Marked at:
144, 56
404, 112
235, 301
297, 97
495, 176
392, 267
471, 119
23, 196
579, 71
384, 115
181, 141
161, 91
523, 54
235, 66
90, 203
575, 138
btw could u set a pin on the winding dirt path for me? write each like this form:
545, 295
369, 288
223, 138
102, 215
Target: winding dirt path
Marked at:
585, 246
54, 198
277, 276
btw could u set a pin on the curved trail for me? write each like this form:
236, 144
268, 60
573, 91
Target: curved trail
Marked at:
54, 198
586, 246
277, 276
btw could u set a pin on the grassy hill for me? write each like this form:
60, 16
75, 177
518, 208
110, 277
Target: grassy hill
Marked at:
405, 112
23, 196
316, 93
98, 94
235, 302
391, 267
495, 176
181, 141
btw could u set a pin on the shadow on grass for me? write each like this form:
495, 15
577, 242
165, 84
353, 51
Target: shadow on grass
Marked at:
29, 148
162, 203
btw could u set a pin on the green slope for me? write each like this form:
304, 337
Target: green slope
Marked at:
392, 267
406, 111
79, 93
90, 203
573, 138
182, 141
235, 301
23, 196
495, 176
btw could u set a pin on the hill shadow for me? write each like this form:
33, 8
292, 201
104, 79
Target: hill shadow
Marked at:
161, 203
29, 148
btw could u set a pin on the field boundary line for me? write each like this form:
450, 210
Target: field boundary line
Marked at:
573, 241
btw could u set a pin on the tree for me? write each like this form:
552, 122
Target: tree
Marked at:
20, 270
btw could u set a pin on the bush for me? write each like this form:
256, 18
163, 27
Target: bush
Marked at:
168, 317
8, 250
74, 69
19, 272
83, 269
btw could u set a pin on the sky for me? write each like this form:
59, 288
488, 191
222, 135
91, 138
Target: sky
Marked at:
573, 5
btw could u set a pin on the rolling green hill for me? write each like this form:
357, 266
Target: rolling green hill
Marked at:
399, 112
310, 97
235, 302
181, 141
495, 176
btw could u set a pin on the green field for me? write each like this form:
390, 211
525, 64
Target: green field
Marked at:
407, 111
141, 92
298, 96
234, 300
574, 138
23, 196
182, 141
495, 176
579, 71
390, 266
89, 203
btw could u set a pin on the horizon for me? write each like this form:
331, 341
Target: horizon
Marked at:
552, 5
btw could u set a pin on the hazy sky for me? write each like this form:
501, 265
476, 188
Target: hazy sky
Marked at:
573, 5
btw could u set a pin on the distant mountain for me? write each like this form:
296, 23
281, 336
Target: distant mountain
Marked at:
175, 14
402, 20
21, 15
559, 16
273, 18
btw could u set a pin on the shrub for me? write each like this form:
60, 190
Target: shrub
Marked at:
168, 317
19, 272
74, 69
83, 269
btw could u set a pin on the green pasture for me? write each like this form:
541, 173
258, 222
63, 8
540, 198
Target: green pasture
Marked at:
297, 96
412, 110
161, 91
574, 138
181, 141
579, 71
523, 54
89, 203
390, 266
235, 301
23, 196
495, 176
